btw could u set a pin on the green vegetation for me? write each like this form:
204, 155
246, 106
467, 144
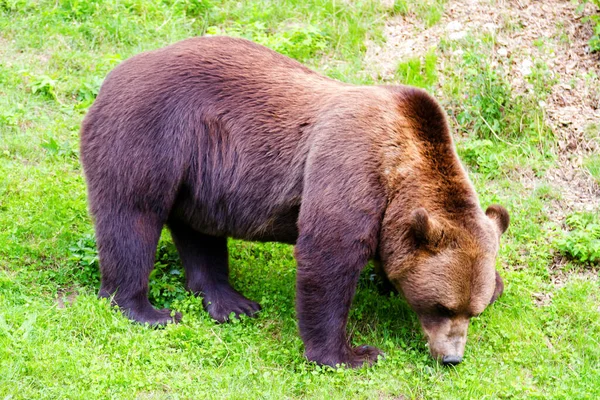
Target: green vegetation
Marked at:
583, 242
58, 341
417, 72
592, 164
595, 19
428, 11
505, 130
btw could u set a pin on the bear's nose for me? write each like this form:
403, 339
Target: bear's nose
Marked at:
451, 360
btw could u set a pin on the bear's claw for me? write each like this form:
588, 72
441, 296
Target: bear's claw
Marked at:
152, 317
226, 301
352, 357
364, 355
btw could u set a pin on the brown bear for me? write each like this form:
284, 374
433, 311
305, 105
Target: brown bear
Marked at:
219, 137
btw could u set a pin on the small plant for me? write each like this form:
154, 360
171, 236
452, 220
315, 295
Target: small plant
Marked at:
481, 156
191, 8
592, 164
13, 5
8, 119
87, 92
300, 41
488, 104
85, 257
489, 109
429, 11
582, 243
594, 41
166, 277
44, 86
65, 149
418, 72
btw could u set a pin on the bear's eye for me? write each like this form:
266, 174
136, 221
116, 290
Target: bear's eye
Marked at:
444, 311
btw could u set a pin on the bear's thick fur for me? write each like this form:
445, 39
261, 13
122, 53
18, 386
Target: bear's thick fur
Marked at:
219, 137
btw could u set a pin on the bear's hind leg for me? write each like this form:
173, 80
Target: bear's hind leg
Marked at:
127, 246
205, 259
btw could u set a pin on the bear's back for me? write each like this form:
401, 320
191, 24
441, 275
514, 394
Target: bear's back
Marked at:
226, 119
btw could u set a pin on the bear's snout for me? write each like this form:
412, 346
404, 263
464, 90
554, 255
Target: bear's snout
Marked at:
448, 350
451, 360
446, 338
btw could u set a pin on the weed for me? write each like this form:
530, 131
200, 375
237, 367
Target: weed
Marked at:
592, 131
594, 41
503, 130
85, 258
88, 91
480, 155
43, 86
11, 118
592, 164
547, 192
65, 149
302, 42
418, 72
582, 243
429, 11
542, 80
489, 105
166, 279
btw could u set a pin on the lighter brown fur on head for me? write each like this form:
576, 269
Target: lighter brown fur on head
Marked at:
447, 275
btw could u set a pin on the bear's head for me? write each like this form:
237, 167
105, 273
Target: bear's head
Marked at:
446, 271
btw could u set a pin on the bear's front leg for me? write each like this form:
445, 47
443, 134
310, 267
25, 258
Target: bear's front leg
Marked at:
328, 273
338, 232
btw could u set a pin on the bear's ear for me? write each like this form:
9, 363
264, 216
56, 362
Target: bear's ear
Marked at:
499, 215
426, 230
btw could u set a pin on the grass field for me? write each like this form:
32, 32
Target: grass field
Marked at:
57, 340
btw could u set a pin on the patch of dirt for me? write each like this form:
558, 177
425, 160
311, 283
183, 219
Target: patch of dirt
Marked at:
526, 32
542, 299
559, 278
3, 45
65, 299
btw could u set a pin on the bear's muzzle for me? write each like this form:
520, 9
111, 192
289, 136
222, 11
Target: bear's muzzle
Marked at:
446, 338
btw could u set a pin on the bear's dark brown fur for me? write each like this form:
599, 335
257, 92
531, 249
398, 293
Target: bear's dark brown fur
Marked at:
220, 137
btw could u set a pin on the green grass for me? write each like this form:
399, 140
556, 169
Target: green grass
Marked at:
594, 41
592, 164
58, 341
428, 11
418, 72
502, 131
583, 241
